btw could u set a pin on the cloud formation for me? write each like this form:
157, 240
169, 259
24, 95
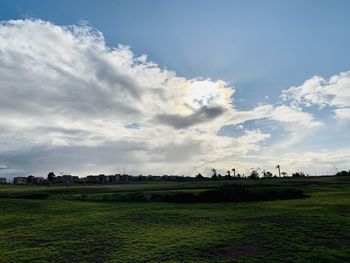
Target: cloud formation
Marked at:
204, 114
334, 92
70, 103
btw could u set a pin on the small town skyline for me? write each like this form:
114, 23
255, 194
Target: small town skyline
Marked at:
65, 179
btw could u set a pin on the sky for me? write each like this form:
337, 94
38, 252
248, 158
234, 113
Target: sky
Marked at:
174, 87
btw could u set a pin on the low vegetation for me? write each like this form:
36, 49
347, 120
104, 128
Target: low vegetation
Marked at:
226, 193
230, 227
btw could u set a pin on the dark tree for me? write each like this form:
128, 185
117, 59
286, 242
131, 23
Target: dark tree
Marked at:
267, 174
199, 176
297, 174
50, 177
214, 176
343, 173
254, 175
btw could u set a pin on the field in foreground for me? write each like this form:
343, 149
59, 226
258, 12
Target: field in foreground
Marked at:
62, 229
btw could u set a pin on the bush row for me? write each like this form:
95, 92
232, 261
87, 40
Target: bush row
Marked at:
224, 194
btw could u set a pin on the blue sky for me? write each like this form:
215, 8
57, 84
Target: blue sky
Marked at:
258, 48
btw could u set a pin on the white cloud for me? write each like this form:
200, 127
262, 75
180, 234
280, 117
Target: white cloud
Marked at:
259, 112
295, 117
343, 114
311, 92
64, 92
70, 103
334, 92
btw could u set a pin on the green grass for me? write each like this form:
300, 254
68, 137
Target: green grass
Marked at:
315, 229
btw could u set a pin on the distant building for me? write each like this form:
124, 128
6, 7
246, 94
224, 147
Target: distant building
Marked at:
102, 179
92, 179
76, 179
2, 180
82, 180
67, 179
112, 179
124, 178
20, 180
39, 180
117, 177
58, 180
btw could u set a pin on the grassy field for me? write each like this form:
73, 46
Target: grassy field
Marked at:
61, 229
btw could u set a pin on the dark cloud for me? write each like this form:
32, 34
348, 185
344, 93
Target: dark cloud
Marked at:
72, 132
204, 114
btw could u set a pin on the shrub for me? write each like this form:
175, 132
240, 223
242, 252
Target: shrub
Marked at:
228, 193
181, 198
301, 174
343, 173
133, 197
254, 175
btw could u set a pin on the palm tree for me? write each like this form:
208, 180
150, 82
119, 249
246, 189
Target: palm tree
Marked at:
214, 176
234, 172
279, 170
